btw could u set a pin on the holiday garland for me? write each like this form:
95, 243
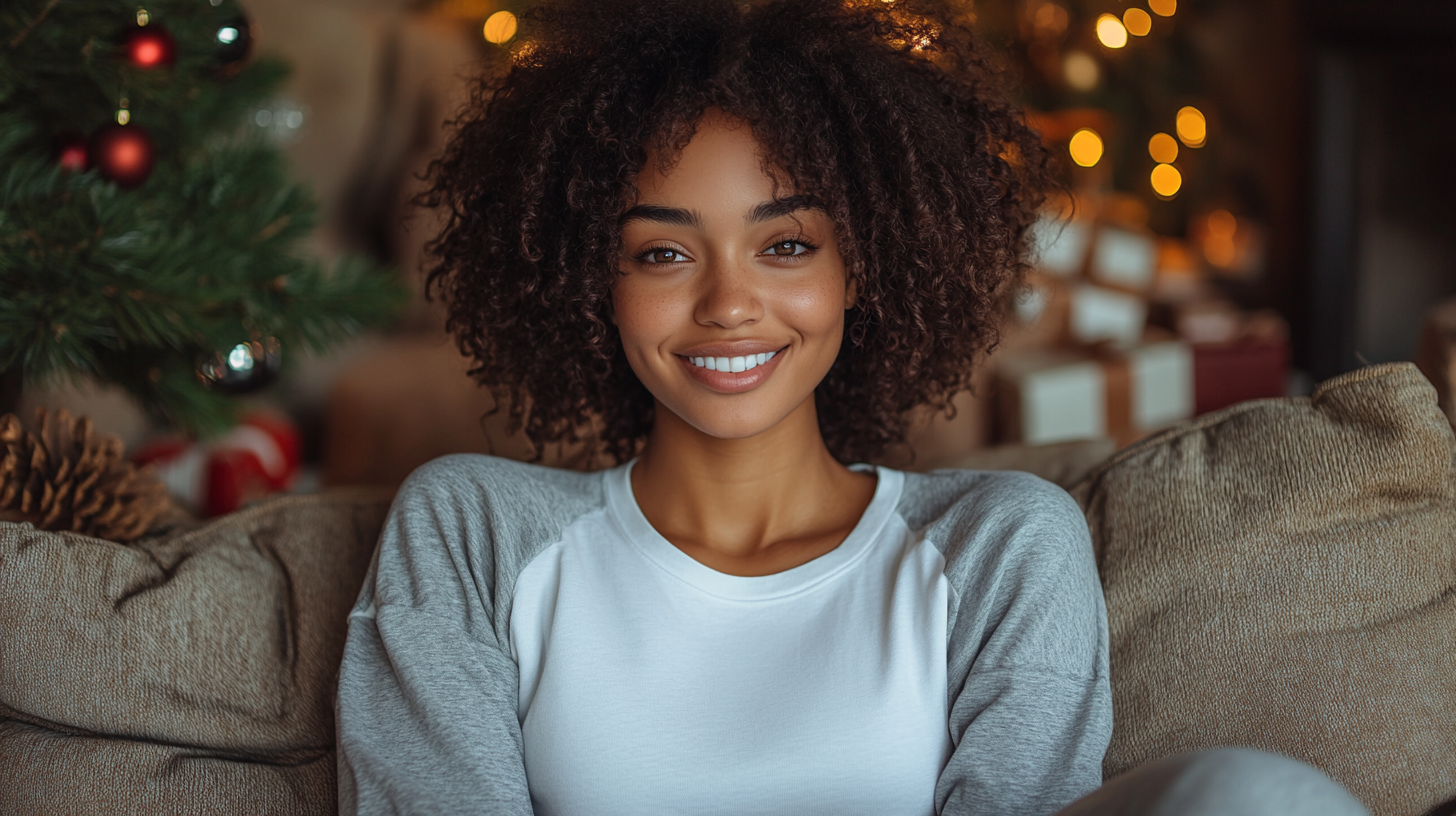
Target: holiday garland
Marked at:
148, 232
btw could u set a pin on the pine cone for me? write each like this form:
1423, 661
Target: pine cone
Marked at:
68, 478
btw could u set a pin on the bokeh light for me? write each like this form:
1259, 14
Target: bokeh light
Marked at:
1219, 247
1086, 147
1163, 148
500, 27
1081, 70
1137, 22
1167, 181
1222, 224
1050, 20
1111, 32
1192, 127
1163, 8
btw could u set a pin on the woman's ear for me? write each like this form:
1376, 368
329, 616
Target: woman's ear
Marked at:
851, 293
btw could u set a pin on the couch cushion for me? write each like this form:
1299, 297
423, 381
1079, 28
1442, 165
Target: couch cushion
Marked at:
1282, 575
187, 674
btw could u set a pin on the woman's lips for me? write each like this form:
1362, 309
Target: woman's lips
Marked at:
726, 382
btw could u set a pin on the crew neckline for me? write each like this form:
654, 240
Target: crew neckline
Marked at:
624, 510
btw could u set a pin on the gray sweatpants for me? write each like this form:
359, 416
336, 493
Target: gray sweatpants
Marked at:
1219, 782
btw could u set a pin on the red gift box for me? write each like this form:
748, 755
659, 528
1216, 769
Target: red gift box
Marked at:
258, 457
1242, 369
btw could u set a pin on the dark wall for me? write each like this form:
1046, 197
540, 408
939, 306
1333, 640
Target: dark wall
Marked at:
1382, 218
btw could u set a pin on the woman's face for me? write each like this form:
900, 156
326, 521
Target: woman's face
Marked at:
715, 269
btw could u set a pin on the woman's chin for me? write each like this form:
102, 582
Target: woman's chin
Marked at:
727, 423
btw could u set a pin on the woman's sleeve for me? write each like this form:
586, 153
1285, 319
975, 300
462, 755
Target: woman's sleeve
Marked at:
426, 705
1027, 658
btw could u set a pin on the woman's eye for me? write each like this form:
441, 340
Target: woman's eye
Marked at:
662, 256
788, 248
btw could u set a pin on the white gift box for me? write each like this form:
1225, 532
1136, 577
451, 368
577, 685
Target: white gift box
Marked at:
1099, 314
1124, 258
1059, 246
1048, 395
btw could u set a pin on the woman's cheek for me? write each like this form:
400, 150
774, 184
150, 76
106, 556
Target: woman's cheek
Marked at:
817, 310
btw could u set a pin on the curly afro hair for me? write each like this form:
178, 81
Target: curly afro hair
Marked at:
887, 114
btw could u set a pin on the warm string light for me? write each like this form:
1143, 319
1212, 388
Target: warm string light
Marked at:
1086, 147
1050, 20
500, 27
142, 17
1137, 22
1163, 8
1081, 70
1111, 32
1167, 181
1219, 248
1192, 127
1163, 148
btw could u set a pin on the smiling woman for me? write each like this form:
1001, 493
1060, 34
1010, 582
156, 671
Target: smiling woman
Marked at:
883, 115
741, 241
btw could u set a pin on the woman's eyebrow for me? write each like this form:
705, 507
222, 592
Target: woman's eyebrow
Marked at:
663, 215
769, 210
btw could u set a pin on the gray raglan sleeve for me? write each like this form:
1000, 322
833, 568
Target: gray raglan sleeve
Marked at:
426, 705
1027, 658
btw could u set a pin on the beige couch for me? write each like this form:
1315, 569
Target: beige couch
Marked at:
1281, 574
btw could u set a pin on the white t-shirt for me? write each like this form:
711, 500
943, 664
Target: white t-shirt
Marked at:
651, 683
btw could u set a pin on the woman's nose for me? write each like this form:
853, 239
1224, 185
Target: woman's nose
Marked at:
728, 297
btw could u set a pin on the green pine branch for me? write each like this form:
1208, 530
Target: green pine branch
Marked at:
137, 287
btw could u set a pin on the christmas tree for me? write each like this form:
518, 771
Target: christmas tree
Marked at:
149, 231
1118, 89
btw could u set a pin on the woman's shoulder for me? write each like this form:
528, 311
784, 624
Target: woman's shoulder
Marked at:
957, 496
477, 475
480, 491
483, 515
990, 516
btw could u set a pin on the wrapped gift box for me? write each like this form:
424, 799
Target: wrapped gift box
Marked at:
1054, 395
1059, 245
1075, 313
1098, 314
1124, 258
1245, 368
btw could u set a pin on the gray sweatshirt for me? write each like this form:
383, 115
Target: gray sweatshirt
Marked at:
526, 643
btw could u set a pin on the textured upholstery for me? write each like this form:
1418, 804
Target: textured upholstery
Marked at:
190, 674
1282, 575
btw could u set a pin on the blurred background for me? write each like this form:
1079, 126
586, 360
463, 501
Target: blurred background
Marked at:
1260, 200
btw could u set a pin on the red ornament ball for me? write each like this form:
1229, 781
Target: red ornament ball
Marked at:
71, 153
123, 154
151, 47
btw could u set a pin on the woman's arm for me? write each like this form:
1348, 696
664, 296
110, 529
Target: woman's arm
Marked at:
427, 699
426, 719
1027, 658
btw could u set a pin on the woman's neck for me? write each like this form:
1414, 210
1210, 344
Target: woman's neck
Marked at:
749, 506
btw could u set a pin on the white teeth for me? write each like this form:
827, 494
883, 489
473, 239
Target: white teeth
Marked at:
734, 364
